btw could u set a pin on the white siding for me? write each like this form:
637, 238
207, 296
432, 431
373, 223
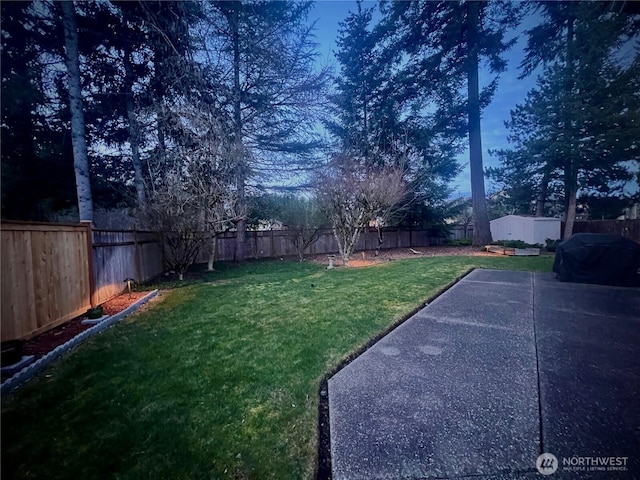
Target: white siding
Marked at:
528, 229
546, 228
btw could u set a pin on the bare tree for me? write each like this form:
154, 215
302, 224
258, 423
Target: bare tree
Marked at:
352, 196
303, 220
195, 196
219, 199
173, 211
387, 195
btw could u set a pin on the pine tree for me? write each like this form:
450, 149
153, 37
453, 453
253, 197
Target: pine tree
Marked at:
577, 129
269, 88
379, 122
444, 43
34, 155
358, 105
577, 42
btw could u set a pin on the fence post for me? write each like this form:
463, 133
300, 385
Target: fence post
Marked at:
255, 243
92, 277
273, 248
137, 257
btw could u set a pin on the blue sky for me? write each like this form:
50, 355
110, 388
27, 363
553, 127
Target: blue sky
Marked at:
511, 91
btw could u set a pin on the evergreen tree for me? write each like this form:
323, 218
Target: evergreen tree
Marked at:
268, 86
35, 157
379, 122
359, 104
443, 44
577, 130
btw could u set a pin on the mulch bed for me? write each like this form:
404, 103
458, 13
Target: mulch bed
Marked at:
42, 344
369, 257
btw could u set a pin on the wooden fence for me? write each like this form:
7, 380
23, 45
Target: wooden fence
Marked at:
122, 254
49, 277
277, 243
45, 276
626, 228
54, 272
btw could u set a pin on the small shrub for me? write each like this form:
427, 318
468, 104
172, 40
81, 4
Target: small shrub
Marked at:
550, 245
460, 242
95, 313
518, 244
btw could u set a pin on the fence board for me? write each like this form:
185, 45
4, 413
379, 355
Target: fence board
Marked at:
45, 277
46, 267
118, 255
626, 228
276, 243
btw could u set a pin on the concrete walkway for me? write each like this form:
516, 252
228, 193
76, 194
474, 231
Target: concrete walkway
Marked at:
500, 368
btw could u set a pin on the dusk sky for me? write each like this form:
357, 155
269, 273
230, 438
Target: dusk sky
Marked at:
511, 90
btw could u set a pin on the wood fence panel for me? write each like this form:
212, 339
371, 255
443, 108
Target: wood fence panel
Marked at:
626, 228
150, 256
281, 243
226, 246
420, 238
404, 239
458, 232
326, 244
18, 300
118, 255
45, 277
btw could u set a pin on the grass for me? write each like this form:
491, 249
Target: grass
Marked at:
220, 378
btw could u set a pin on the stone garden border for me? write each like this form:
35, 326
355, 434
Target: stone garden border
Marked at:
33, 369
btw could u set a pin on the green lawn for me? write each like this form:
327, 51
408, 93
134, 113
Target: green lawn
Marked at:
218, 379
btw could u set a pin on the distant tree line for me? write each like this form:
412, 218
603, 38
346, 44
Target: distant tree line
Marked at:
196, 115
175, 109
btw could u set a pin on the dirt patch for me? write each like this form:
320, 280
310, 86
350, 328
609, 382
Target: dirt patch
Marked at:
42, 344
369, 257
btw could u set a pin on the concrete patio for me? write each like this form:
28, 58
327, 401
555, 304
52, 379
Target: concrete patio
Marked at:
502, 367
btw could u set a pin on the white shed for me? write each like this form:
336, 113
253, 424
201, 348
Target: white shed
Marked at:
528, 229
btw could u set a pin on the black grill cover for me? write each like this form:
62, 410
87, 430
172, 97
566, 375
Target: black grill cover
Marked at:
598, 258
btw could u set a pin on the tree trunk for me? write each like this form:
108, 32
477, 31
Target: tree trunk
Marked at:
570, 165
134, 130
380, 240
542, 196
342, 238
300, 245
241, 240
570, 215
241, 235
78, 139
482, 230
